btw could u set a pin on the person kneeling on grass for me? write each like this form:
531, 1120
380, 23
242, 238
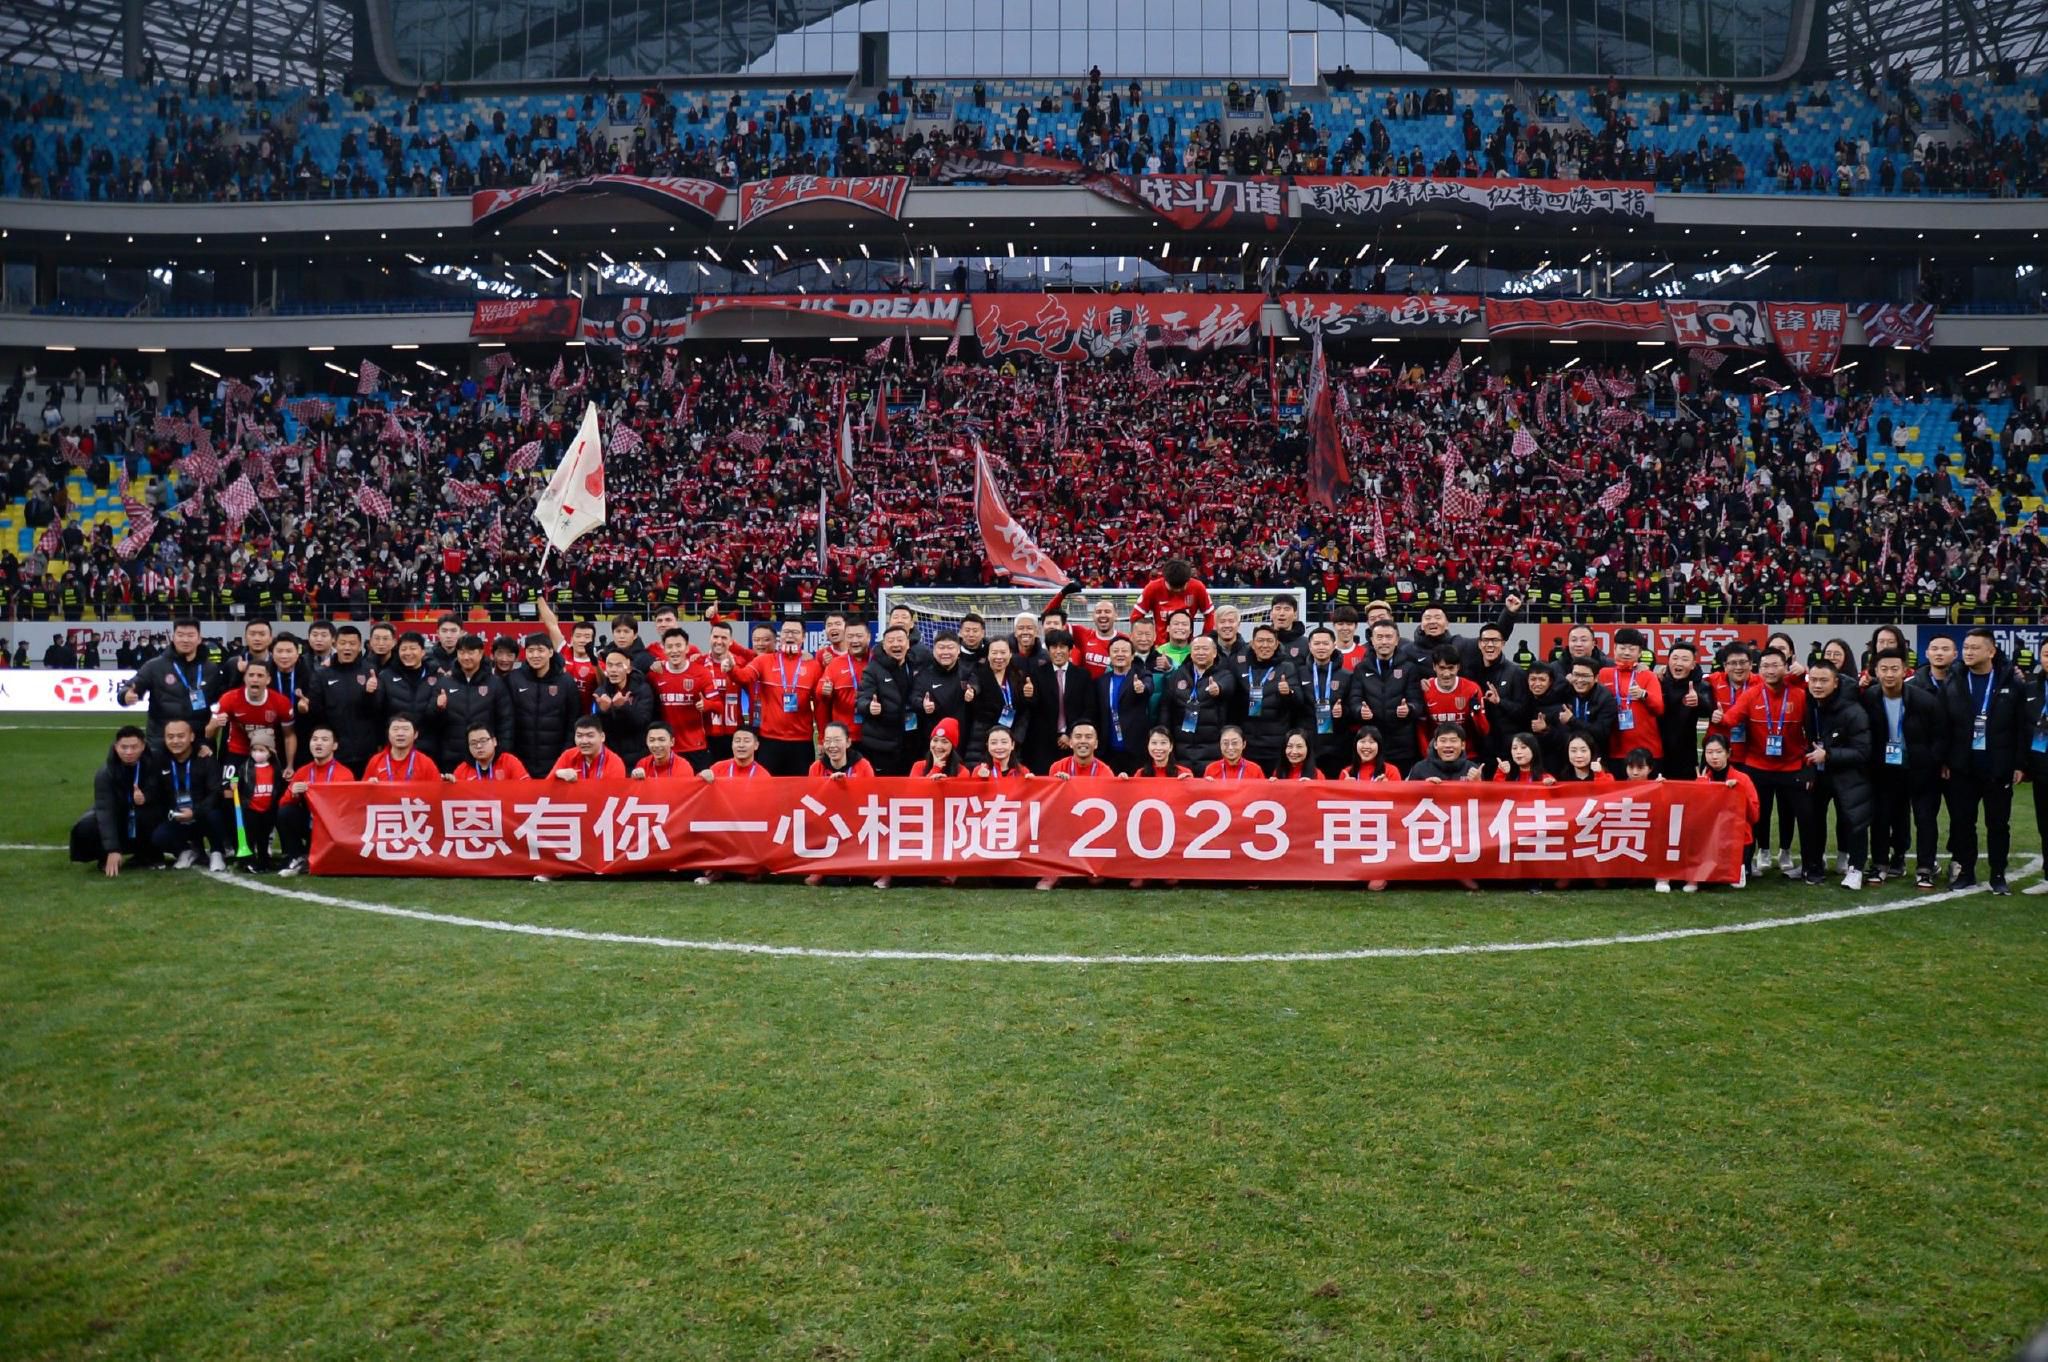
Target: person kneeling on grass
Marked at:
118, 830
1640, 764
294, 816
185, 785
485, 761
746, 746
1714, 755
401, 762
1446, 761
661, 761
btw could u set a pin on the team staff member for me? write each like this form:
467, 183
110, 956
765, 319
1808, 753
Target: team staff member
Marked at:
401, 762
1736, 675
294, 815
887, 705
786, 692
1593, 707
546, 702
1638, 700
178, 684
590, 759
1067, 695
1909, 746
1385, 691
466, 695
123, 819
624, 705
1839, 757
834, 683
408, 684
348, 700
1124, 697
1774, 714
1988, 730
186, 785
1198, 698
484, 761
1687, 699
1505, 689
1271, 693
1323, 680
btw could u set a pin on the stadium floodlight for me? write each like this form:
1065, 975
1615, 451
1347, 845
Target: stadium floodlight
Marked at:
1972, 373
210, 373
1570, 362
330, 364
1438, 252
864, 251
711, 251
1313, 261
1666, 360
750, 267
67, 349
1461, 264
781, 254
1669, 265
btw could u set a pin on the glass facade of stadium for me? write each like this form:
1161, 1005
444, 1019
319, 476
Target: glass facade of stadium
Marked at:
462, 41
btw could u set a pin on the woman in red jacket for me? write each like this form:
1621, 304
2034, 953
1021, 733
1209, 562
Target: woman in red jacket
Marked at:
1719, 769
943, 757
1371, 765
1159, 762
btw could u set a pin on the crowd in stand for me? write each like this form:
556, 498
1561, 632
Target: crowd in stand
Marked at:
263, 155
1860, 744
1582, 487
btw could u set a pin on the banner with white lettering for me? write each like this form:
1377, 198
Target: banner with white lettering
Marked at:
1371, 199
933, 312
600, 198
1359, 314
1064, 326
1119, 829
814, 198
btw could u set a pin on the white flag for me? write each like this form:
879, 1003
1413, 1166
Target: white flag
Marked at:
573, 504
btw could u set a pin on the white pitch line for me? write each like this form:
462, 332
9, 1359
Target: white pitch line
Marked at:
32, 846
1000, 958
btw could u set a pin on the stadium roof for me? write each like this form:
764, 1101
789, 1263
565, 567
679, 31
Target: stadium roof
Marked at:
306, 43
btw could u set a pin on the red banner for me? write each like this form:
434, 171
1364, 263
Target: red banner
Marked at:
1359, 314
1203, 203
1266, 831
1901, 326
1728, 326
935, 312
1580, 317
1065, 326
823, 196
1362, 199
1708, 638
554, 319
697, 201
1809, 335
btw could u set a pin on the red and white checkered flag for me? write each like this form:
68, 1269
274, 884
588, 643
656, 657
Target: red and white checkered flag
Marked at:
470, 495
523, 458
200, 468
499, 363
166, 426
141, 525
953, 348
526, 406
373, 503
750, 440
1617, 492
1149, 378
238, 498
668, 369
878, 353
1524, 444
626, 440
1379, 530
51, 542
239, 392
559, 374
367, 376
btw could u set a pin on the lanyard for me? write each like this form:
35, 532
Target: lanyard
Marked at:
1896, 720
662, 769
1981, 703
135, 787
1195, 691
181, 786
752, 768
1776, 726
284, 688
1116, 690
1621, 692
410, 758
192, 681
327, 779
484, 772
1260, 681
1229, 774
1579, 708
1004, 687
782, 669
584, 764
1324, 684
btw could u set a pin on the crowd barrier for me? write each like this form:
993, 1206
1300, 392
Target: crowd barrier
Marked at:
1184, 830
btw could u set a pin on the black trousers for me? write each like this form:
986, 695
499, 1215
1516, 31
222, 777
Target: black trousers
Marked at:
887, 761
786, 756
1786, 790
1908, 802
1967, 791
294, 830
1852, 838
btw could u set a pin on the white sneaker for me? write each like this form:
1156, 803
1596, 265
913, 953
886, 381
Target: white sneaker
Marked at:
1664, 886
543, 879
706, 879
216, 863
295, 866
1742, 878
186, 859
882, 883
1786, 865
1689, 887
1853, 880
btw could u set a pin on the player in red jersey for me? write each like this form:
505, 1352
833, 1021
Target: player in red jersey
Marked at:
1082, 763
1175, 588
729, 700
1638, 699
589, 759
834, 680
254, 706
575, 654
1448, 698
1091, 642
661, 761
401, 762
680, 682
486, 762
1351, 649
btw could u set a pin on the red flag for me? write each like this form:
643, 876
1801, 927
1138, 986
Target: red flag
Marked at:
880, 424
845, 460
1524, 443
525, 457
1010, 547
1326, 471
366, 378
953, 348
238, 498
1617, 492
878, 353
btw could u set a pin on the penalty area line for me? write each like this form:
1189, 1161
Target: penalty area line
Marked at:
1035, 958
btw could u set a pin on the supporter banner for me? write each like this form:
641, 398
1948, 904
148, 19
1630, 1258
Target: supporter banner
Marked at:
1066, 326
823, 196
1356, 314
62, 692
628, 323
1202, 203
696, 201
1007, 167
1708, 638
1899, 326
1729, 326
1809, 335
1368, 199
2011, 638
555, 319
1583, 317
1185, 830
937, 312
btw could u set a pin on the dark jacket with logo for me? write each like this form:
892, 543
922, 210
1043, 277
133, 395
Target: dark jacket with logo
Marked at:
894, 684
1924, 725
164, 682
544, 713
482, 699
1200, 745
1382, 689
343, 701
2008, 728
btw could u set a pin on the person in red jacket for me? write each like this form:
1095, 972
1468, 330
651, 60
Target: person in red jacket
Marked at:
1002, 763
1448, 698
294, 817
1081, 763
1774, 713
589, 759
1717, 755
729, 699
741, 765
1231, 765
1296, 763
834, 681
486, 762
680, 681
836, 760
1638, 699
1159, 758
942, 758
787, 685
1734, 677
661, 761
401, 762
1176, 588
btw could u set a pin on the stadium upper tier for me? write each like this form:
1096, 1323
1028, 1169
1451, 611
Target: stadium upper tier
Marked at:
73, 136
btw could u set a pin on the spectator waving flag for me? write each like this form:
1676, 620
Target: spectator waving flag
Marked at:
573, 504
1617, 492
953, 348
1326, 471
499, 363
1010, 547
777, 381
1524, 444
845, 459
470, 495
367, 377
559, 374
51, 541
878, 353
373, 503
625, 439
141, 525
523, 458
1379, 529
237, 499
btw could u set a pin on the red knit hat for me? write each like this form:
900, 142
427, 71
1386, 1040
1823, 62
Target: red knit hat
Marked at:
949, 729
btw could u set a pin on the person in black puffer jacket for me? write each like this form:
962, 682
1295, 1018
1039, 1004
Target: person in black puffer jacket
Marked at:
1839, 757
408, 686
545, 704
469, 695
886, 707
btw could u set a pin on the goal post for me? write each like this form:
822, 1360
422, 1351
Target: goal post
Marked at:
937, 608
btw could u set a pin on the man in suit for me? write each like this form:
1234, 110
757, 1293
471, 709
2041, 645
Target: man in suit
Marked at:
1067, 694
1985, 702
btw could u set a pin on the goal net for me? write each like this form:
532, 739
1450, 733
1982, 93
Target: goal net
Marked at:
938, 608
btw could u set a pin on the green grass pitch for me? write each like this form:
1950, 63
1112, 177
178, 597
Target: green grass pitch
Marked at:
237, 1125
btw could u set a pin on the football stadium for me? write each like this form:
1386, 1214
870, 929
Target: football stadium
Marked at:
1297, 679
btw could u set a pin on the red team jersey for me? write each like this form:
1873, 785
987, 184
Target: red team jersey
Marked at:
843, 671
729, 695
1635, 721
1160, 601
858, 768
1239, 770
1096, 769
329, 772
243, 714
675, 768
1092, 649
677, 694
732, 770
1768, 714
785, 703
1462, 705
416, 767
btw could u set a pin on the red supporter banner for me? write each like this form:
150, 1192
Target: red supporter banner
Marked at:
1358, 314
936, 312
1369, 199
1728, 326
1901, 326
1267, 831
1067, 326
1809, 335
697, 201
1709, 638
1007, 167
528, 319
1582, 317
1202, 203
823, 196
